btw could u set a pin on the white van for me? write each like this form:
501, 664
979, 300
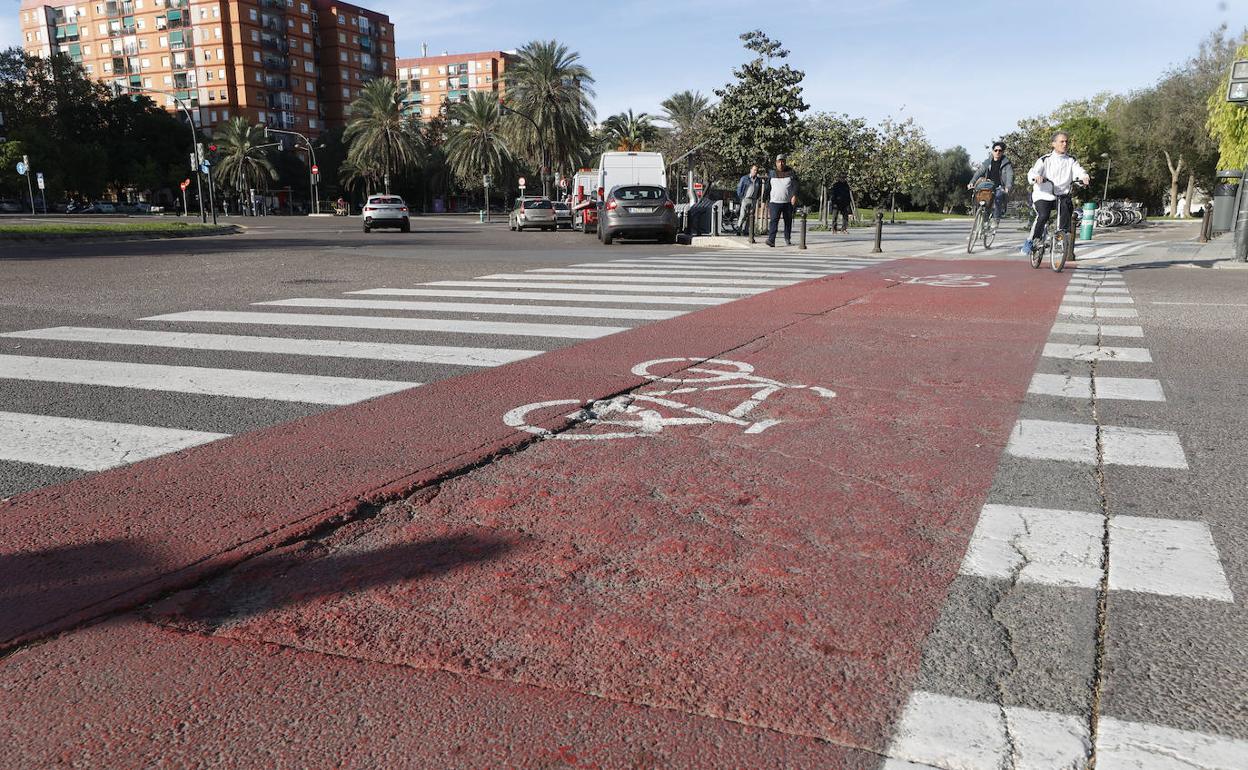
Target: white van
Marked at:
617, 168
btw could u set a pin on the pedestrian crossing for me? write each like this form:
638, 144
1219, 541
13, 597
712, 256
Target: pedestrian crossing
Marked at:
314, 353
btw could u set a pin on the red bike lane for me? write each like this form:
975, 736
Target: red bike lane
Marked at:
757, 584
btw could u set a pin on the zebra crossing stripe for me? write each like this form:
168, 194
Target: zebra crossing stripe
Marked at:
632, 299
603, 287
480, 307
1096, 352
88, 445
1114, 388
679, 271
1106, 330
1099, 290
452, 326
236, 383
1096, 299
756, 282
1076, 442
778, 261
1108, 251
668, 266
1088, 311
755, 267
376, 351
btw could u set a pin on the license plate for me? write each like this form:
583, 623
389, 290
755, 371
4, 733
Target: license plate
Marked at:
640, 210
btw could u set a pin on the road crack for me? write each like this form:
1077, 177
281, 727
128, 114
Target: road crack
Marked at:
1102, 593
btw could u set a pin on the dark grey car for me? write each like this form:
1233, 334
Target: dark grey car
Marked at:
638, 211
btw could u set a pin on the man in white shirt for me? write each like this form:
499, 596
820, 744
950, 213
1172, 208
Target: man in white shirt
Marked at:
781, 198
1052, 177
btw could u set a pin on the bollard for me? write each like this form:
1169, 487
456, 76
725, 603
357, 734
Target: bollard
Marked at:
481, 216
802, 243
879, 232
1089, 220
1206, 225
753, 211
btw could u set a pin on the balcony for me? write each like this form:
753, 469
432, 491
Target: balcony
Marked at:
120, 8
276, 83
275, 44
276, 5
280, 63
283, 101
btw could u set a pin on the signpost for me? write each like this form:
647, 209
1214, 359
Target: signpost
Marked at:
485, 185
697, 189
1238, 89
1237, 92
522, 193
23, 168
185, 184
43, 196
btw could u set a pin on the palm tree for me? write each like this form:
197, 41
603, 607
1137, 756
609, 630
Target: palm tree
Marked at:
380, 134
353, 174
685, 111
550, 87
242, 163
629, 132
476, 143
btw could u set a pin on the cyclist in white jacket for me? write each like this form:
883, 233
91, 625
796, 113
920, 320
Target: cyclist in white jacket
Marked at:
1052, 177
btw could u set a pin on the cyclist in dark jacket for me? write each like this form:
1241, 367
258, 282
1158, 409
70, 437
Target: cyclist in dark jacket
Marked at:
998, 169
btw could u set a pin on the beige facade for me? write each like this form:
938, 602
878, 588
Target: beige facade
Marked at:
293, 64
434, 82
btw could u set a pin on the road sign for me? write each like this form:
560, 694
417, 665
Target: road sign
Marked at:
203, 167
1238, 90
522, 181
39, 179
316, 169
563, 184
487, 180
21, 168
185, 184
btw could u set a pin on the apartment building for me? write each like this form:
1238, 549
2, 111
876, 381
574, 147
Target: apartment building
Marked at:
432, 82
293, 64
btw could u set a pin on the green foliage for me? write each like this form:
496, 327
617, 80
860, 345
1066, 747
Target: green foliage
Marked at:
834, 146
242, 164
951, 171
1227, 122
630, 133
758, 115
903, 162
380, 135
547, 83
476, 145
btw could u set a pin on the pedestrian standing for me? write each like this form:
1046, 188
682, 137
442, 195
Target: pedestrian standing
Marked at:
781, 199
842, 199
749, 188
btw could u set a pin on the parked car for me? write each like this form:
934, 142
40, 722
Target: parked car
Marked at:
386, 211
11, 207
532, 212
102, 207
638, 211
563, 214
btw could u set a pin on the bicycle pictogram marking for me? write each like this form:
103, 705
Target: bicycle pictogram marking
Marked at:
951, 280
641, 415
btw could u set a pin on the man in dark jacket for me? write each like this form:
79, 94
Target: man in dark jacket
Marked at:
842, 201
749, 189
998, 169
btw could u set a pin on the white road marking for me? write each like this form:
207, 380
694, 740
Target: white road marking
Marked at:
480, 307
1075, 296
635, 299
1166, 556
941, 731
1098, 312
722, 272
1096, 352
1106, 330
452, 326
1204, 304
236, 383
1113, 388
377, 351
740, 264
1110, 251
88, 445
1076, 442
811, 263
610, 278
1099, 290
601, 287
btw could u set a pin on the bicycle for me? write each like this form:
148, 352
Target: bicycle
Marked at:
984, 226
1057, 243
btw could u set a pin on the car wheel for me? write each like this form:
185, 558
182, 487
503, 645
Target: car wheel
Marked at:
367, 228
607, 238
406, 227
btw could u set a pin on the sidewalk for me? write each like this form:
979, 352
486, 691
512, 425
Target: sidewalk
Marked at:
722, 563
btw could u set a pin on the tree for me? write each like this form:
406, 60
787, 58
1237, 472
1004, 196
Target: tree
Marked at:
903, 160
951, 172
1228, 122
685, 112
758, 115
834, 146
629, 132
549, 85
475, 146
241, 163
380, 132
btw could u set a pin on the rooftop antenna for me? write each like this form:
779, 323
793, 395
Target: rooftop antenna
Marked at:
424, 50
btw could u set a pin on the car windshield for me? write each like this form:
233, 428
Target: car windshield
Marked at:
386, 201
639, 194
537, 204
561, 206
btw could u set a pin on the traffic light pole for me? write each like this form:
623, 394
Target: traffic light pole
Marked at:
312, 184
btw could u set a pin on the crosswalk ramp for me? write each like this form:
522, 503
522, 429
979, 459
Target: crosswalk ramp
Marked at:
180, 377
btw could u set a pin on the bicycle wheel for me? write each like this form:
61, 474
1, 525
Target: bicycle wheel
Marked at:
976, 227
990, 228
1059, 251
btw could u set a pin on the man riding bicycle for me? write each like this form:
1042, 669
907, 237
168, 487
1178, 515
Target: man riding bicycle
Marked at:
1052, 177
1000, 171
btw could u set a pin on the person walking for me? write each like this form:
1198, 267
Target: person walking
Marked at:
749, 188
782, 197
842, 201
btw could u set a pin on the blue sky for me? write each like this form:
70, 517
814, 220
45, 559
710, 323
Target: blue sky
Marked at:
966, 71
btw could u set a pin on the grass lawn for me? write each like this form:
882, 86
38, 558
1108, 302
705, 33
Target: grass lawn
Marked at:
104, 228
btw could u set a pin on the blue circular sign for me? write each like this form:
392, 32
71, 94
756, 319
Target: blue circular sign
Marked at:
21, 168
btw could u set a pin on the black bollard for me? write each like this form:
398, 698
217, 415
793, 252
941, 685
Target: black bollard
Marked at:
802, 243
753, 211
879, 232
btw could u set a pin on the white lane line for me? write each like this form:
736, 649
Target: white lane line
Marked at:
236, 383
761, 257
1076, 442
88, 445
376, 351
609, 278
1084, 311
602, 287
1096, 299
1096, 352
1101, 249
1114, 388
1166, 556
753, 265
1108, 280
573, 331
1110, 251
1204, 304
1098, 290
674, 265
685, 271
941, 731
479, 307
808, 264
1106, 330
634, 299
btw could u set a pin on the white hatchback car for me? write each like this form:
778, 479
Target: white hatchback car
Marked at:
386, 211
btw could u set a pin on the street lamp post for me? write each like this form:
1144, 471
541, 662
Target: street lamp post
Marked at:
312, 156
1109, 163
190, 118
545, 157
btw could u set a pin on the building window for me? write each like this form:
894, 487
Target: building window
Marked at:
311, 88
307, 66
255, 55
253, 15
346, 93
306, 31
311, 122
303, 7
342, 37
221, 74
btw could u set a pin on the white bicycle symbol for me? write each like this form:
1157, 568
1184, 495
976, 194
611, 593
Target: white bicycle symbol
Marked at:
637, 415
951, 280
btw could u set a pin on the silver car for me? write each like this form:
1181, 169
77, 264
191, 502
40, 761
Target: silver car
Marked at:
386, 211
563, 214
637, 211
532, 212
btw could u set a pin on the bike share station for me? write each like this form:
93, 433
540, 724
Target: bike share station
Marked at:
1230, 203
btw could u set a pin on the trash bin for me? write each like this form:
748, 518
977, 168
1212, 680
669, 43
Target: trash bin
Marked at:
1224, 200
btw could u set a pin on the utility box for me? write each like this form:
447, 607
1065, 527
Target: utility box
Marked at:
1224, 200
